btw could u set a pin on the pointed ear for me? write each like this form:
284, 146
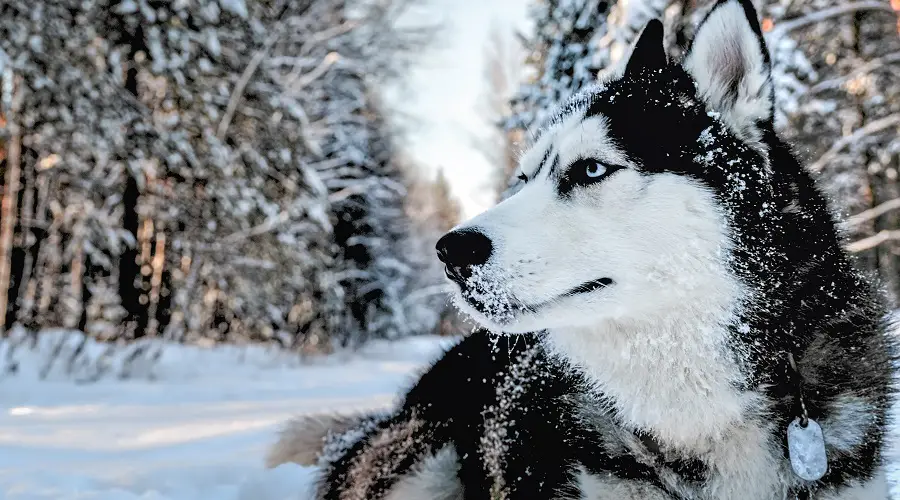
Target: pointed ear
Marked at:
729, 62
648, 52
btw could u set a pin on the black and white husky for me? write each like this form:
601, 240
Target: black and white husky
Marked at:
695, 304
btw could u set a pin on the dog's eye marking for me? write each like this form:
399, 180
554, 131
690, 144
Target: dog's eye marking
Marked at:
589, 170
524, 178
583, 172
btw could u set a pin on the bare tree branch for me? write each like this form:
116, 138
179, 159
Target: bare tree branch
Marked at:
873, 241
270, 224
873, 212
295, 82
783, 28
871, 128
870, 66
326, 35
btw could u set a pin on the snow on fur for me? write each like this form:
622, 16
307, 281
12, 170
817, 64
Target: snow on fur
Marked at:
494, 442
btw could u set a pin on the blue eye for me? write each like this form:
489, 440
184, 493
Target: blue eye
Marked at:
595, 169
585, 172
590, 170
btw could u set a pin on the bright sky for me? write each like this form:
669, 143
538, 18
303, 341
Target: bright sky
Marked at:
445, 91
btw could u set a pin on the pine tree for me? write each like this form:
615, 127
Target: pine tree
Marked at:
433, 211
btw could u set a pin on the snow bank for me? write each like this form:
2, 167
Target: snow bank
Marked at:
54, 358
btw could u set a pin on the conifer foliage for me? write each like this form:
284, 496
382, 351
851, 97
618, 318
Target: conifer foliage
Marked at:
564, 54
207, 170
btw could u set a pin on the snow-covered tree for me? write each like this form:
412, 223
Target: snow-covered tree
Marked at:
434, 211
210, 170
504, 60
563, 54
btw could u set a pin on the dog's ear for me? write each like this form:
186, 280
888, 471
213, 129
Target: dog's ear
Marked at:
730, 64
648, 52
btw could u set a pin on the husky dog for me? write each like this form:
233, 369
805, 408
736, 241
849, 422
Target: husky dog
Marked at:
694, 304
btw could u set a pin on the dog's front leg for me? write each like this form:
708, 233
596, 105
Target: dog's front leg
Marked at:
401, 457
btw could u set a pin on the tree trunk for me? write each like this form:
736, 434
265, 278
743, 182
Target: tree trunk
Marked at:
10, 195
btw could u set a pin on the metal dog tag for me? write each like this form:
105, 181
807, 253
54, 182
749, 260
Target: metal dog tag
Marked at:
806, 448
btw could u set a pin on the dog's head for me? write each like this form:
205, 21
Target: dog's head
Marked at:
621, 213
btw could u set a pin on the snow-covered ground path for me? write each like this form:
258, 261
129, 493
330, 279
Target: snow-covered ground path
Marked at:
198, 432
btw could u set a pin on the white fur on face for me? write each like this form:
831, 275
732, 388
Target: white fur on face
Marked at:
727, 62
655, 341
659, 237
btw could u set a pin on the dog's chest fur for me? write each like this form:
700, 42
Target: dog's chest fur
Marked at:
676, 381
682, 389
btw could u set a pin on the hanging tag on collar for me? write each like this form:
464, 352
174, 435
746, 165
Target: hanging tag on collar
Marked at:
806, 449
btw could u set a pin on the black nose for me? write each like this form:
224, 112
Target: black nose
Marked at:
462, 249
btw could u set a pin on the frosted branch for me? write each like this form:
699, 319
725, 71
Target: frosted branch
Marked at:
269, 225
870, 66
873, 241
871, 128
873, 212
784, 27
326, 35
241, 85
298, 82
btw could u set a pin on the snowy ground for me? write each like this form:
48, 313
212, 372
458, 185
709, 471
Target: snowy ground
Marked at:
198, 431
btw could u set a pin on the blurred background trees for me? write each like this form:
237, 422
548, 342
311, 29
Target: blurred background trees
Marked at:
210, 170
224, 170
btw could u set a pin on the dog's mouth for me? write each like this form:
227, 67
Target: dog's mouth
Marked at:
584, 288
486, 293
589, 287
